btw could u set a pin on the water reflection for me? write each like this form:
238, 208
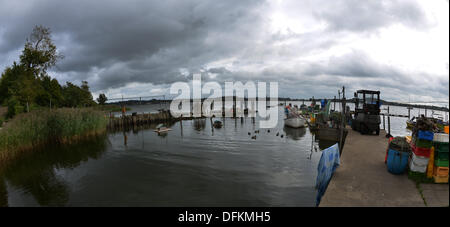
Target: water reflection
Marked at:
294, 133
199, 124
36, 173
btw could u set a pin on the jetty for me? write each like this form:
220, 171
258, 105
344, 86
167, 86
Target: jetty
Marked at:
362, 179
136, 120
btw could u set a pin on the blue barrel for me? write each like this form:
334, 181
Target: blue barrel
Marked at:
397, 161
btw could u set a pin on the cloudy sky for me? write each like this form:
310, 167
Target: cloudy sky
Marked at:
310, 47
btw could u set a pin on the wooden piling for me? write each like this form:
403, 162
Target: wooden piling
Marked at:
389, 122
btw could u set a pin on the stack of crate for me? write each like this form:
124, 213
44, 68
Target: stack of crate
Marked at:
422, 141
440, 171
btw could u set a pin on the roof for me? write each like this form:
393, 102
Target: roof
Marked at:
368, 92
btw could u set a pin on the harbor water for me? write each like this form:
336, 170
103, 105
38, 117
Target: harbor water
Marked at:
192, 165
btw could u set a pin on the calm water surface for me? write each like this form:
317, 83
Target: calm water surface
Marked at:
192, 165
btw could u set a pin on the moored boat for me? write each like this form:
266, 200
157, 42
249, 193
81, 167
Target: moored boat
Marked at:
217, 124
161, 129
295, 122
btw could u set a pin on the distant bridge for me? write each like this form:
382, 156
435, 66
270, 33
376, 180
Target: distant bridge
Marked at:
140, 98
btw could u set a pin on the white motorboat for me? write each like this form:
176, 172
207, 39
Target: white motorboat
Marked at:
162, 129
295, 122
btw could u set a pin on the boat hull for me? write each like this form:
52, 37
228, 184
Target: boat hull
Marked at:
295, 122
331, 135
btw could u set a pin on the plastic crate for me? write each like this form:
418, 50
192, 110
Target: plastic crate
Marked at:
425, 152
440, 171
418, 163
440, 180
423, 143
425, 135
441, 147
441, 156
440, 137
441, 163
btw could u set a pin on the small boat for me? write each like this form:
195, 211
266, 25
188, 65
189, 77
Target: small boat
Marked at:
161, 128
295, 122
217, 124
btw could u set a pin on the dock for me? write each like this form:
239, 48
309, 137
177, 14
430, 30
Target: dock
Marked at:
136, 120
362, 179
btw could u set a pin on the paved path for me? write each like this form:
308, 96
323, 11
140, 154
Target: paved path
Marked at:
363, 179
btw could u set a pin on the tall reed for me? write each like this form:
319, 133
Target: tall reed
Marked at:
36, 128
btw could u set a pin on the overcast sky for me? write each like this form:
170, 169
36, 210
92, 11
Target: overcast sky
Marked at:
310, 47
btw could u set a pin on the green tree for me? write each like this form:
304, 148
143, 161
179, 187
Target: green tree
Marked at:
28, 81
102, 99
51, 93
87, 99
76, 96
19, 82
26, 84
39, 53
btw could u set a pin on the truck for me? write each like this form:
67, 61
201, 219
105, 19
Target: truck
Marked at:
366, 118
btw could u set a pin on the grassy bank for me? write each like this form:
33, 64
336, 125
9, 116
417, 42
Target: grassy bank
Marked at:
26, 131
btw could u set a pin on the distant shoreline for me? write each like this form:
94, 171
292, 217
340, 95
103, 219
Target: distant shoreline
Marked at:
384, 102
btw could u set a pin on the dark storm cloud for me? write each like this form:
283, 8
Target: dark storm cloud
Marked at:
114, 43
142, 41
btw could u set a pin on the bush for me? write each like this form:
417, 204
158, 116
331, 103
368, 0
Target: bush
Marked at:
14, 107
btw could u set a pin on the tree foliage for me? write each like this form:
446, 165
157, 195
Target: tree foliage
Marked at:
102, 99
28, 84
39, 53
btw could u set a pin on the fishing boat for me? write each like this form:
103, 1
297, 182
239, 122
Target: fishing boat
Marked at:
295, 122
217, 124
161, 129
331, 135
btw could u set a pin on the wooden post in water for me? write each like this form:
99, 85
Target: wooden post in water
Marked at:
211, 122
223, 107
342, 120
389, 122
234, 107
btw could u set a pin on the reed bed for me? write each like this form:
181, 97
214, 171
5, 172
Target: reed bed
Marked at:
37, 128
